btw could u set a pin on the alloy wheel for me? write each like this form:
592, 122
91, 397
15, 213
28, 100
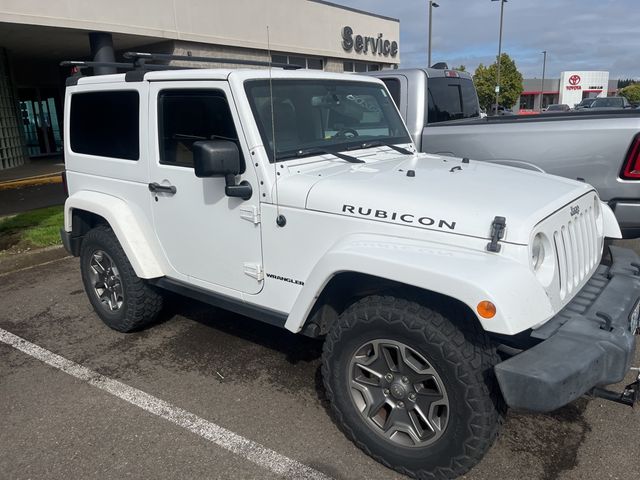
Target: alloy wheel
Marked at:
399, 393
106, 282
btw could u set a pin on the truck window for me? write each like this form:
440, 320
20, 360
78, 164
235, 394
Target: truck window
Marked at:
106, 124
393, 85
451, 99
187, 116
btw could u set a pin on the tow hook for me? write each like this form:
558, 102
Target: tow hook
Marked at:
629, 396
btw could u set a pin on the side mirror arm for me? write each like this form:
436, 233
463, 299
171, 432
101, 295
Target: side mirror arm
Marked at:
242, 190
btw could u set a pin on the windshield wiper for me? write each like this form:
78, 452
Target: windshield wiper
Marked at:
309, 152
380, 143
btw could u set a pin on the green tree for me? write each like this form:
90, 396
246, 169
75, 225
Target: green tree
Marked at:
625, 82
631, 92
510, 83
461, 68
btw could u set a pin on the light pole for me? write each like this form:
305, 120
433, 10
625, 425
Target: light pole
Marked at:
432, 5
502, 2
544, 64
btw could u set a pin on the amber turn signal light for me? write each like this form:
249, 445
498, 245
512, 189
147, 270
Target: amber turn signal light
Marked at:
486, 309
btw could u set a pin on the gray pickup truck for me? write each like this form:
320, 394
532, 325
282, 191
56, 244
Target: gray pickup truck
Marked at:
602, 148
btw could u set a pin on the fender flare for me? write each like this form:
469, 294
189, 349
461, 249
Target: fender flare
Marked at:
469, 276
611, 228
128, 228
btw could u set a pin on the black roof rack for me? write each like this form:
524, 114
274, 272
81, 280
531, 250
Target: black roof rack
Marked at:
143, 57
139, 65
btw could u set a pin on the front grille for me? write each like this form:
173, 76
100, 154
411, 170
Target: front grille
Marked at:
578, 250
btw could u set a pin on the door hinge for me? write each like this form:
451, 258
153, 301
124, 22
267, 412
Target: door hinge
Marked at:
251, 213
254, 270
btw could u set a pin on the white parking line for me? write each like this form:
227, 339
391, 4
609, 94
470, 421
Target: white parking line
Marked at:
248, 449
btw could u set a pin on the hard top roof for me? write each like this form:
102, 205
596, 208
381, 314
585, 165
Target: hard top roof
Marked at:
223, 74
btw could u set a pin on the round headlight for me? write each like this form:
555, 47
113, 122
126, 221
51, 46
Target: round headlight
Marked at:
537, 252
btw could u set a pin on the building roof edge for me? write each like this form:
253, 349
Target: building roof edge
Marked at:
356, 10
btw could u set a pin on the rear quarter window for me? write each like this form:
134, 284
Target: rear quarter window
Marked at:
393, 85
106, 124
451, 99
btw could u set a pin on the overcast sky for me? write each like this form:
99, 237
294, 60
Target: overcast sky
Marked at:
577, 34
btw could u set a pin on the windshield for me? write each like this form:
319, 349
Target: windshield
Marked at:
555, 107
451, 99
330, 115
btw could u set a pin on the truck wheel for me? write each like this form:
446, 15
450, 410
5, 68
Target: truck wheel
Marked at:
122, 300
411, 388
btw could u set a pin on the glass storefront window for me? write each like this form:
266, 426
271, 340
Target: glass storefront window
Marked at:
304, 62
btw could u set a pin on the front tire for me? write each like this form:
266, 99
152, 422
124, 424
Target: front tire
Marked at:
412, 388
122, 300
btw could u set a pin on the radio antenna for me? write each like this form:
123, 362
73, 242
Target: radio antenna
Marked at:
280, 219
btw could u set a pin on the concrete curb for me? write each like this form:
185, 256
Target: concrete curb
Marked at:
31, 181
13, 262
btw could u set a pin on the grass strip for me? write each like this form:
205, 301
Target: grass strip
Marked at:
34, 229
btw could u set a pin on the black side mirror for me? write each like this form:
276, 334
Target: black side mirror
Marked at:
221, 158
215, 158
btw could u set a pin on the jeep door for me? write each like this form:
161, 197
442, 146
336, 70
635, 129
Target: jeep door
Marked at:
209, 239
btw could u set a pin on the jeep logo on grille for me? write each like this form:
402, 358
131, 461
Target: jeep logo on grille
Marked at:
575, 210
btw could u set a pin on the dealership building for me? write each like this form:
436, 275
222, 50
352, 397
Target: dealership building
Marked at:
571, 88
36, 35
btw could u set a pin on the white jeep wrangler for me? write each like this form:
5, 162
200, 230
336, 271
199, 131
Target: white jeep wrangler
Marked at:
445, 289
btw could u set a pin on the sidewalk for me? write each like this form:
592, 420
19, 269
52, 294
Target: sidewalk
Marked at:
37, 172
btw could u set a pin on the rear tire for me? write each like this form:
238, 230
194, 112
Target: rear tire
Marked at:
441, 406
122, 300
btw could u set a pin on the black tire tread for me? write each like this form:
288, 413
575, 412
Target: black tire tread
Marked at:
476, 350
143, 302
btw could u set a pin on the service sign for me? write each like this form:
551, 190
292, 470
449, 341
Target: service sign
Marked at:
577, 85
363, 44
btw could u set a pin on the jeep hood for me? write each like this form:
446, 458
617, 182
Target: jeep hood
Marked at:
432, 192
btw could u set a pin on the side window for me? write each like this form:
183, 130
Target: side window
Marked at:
106, 124
187, 116
393, 85
450, 99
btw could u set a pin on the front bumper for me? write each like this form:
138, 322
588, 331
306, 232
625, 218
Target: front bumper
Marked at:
589, 343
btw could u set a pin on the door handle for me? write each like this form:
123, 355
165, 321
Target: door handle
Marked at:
156, 187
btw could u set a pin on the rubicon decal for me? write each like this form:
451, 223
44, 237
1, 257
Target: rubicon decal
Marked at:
397, 217
285, 279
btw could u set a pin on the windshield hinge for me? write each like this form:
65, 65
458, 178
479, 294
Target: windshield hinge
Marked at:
497, 232
251, 213
254, 270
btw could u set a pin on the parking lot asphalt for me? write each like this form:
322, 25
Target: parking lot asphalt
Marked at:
261, 383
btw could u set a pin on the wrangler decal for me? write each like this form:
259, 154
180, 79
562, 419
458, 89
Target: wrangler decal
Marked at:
285, 279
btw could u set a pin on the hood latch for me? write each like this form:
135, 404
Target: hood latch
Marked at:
497, 232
